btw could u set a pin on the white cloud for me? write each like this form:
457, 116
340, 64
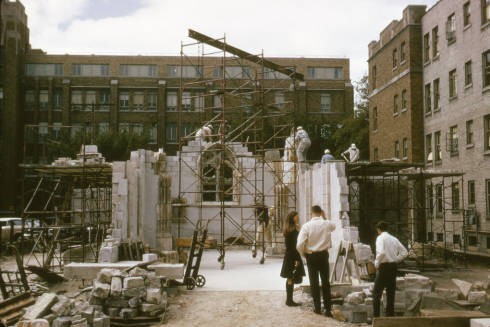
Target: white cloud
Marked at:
325, 28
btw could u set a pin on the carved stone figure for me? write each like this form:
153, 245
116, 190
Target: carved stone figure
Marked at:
352, 152
303, 143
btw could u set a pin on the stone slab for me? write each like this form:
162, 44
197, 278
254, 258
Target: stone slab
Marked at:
480, 322
88, 271
41, 307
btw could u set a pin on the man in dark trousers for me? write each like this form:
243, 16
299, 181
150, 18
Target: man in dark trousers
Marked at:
314, 240
389, 251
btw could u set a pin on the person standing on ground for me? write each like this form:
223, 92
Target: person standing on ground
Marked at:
314, 240
292, 263
389, 251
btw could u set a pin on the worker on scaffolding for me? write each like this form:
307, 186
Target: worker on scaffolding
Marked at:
263, 236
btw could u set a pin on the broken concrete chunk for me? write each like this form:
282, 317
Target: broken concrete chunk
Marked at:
133, 282
41, 307
88, 313
479, 297
480, 285
463, 286
101, 290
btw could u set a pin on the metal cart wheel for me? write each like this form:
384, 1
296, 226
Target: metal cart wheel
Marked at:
200, 281
190, 283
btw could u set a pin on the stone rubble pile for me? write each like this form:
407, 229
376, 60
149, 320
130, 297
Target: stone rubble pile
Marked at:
114, 294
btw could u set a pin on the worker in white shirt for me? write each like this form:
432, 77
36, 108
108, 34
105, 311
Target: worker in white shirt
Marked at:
389, 252
314, 240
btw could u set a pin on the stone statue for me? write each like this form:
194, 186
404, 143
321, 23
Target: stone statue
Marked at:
352, 152
327, 156
204, 133
303, 143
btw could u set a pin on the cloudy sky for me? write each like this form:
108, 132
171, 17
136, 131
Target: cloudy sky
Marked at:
300, 28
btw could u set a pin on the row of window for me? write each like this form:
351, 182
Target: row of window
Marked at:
400, 150
432, 94
433, 153
146, 100
186, 71
431, 39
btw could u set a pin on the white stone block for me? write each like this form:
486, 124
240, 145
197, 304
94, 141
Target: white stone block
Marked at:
147, 257
480, 322
41, 307
414, 281
116, 286
463, 286
101, 290
133, 282
109, 253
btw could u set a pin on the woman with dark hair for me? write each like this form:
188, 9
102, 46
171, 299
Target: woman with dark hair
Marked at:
292, 266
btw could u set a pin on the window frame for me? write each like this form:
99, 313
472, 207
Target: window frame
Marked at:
466, 14
426, 45
469, 132
471, 192
468, 73
486, 68
453, 85
435, 41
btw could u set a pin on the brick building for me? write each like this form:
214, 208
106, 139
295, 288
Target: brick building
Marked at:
395, 79
139, 94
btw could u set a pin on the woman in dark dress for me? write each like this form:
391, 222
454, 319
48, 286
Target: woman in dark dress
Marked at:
292, 259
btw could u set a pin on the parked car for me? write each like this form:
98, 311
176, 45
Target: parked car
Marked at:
11, 228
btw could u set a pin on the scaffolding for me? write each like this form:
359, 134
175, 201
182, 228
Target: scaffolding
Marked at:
66, 203
424, 208
246, 103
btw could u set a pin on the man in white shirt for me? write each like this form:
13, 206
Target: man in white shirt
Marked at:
389, 251
314, 240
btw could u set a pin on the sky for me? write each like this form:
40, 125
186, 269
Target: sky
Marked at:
278, 28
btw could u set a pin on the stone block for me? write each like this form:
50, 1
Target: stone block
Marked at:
109, 253
34, 323
116, 286
133, 282
101, 290
62, 322
82, 322
98, 309
88, 314
93, 300
62, 307
105, 275
134, 302
116, 302
139, 292
480, 285
480, 322
148, 307
128, 313
113, 312
102, 322
41, 307
154, 295
463, 286
479, 297
154, 281
147, 257
413, 295
50, 318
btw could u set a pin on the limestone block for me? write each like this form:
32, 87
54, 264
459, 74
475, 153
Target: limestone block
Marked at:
98, 309
34, 323
363, 253
350, 234
479, 322
62, 307
109, 253
169, 256
116, 286
147, 257
153, 295
103, 321
139, 292
93, 300
101, 290
463, 286
414, 281
477, 297
62, 322
133, 282
368, 301
122, 187
41, 307
105, 275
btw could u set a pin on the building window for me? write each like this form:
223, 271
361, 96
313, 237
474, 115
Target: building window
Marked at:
472, 240
186, 101
183, 71
452, 141
468, 79
455, 196
172, 101
435, 42
485, 11
456, 239
486, 67
124, 101
469, 132
57, 99
440, 237
280, 100
375, 118
404, 100
487, 192
217, 103
153, 133
453, 88
90, 69
90, 100
44, 69
325, 72
43, 100
466, 14
439, 200
437, 146
403, 54
437, 95
138, 70
138, 101
76, 100
151, 101
486, 131
451, 29
373, 77
171, 133
428, 148
397, 149
104, 100
269, 74
430, 236
376, 155
471, 192
395, 58
325, 102
240, 72
427, 97
103, 128
426, 47
395, 104
405, 148
199, 101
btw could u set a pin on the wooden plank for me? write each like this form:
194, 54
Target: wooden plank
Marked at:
422, 321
